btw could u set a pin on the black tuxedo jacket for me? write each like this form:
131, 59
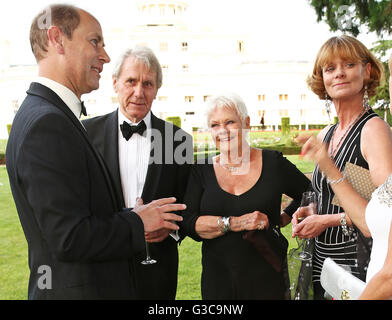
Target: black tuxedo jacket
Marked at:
165, 179
79, 238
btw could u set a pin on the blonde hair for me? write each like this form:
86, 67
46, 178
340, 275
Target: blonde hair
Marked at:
347, 48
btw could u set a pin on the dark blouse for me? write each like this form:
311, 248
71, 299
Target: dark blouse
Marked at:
232, 268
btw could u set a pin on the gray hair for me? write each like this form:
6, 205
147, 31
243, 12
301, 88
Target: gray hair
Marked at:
143, 54
230, 100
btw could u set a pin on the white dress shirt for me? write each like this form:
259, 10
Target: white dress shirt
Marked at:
69, 98
134, 156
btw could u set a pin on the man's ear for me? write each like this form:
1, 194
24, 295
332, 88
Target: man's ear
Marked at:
247, 123
114, 84
55, 39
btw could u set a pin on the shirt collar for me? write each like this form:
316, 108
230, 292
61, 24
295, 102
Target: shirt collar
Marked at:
69, 98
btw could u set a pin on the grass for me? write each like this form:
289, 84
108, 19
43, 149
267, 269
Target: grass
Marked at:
13, 247
14, 269
3, 145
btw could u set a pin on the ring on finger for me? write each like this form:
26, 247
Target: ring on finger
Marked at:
260, 226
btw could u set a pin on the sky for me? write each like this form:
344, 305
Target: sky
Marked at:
282, 29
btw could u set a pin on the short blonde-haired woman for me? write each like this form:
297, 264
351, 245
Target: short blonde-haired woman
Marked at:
240, 191
345, 74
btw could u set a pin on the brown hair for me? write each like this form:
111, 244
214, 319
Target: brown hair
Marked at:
65, 17
347, 48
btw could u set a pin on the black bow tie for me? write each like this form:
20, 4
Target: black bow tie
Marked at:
128, 130
83, 111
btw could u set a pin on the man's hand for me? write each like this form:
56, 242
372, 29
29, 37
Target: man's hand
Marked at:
157, 236
157, 214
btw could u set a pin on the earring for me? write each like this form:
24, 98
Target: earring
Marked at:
328, 105
365, 102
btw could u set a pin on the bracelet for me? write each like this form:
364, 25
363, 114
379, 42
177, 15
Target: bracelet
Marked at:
337, 180
343, 224
224, 224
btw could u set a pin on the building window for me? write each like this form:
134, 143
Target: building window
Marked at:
303, 97
165, 67
163, 46
205, 98
261, 97
114, 99
163, 98
172, 9
189, 98
15, 106
283, 97
184, 46
283, 112
185, 68
161, 10
240, 46
189, 113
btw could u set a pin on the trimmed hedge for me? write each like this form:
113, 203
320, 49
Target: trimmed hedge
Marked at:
285, 125
174, 120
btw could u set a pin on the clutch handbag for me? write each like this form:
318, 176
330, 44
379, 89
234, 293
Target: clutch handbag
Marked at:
360, 180
339, 283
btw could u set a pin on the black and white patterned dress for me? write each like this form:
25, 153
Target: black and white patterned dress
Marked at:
351, 250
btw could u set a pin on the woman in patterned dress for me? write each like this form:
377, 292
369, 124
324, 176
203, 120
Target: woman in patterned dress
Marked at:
373, 219
346, 74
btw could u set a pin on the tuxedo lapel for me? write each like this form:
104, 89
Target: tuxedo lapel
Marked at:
42, 91
154, 170
110, 152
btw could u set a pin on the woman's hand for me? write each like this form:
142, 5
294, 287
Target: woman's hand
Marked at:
315, 150
255, 220
310, 227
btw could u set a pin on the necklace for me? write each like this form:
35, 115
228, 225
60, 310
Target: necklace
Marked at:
231, 168
244, 160
332, 150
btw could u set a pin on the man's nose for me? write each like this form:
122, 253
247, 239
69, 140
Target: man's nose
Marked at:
104, 57
138, 90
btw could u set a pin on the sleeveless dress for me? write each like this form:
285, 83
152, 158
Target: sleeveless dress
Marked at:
352, 251
232, 267
378, 219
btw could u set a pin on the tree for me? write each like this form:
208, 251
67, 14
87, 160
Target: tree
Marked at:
356, 16
351, 15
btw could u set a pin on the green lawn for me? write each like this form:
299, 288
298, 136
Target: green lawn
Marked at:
13, 249
13, 246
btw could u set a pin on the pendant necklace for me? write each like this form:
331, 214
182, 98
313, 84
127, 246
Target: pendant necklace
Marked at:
332, 150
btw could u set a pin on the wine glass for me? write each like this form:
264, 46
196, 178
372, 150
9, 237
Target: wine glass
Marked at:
308, 207
148, 259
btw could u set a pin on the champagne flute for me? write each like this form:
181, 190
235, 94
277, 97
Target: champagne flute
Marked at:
148, 259
308, 207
